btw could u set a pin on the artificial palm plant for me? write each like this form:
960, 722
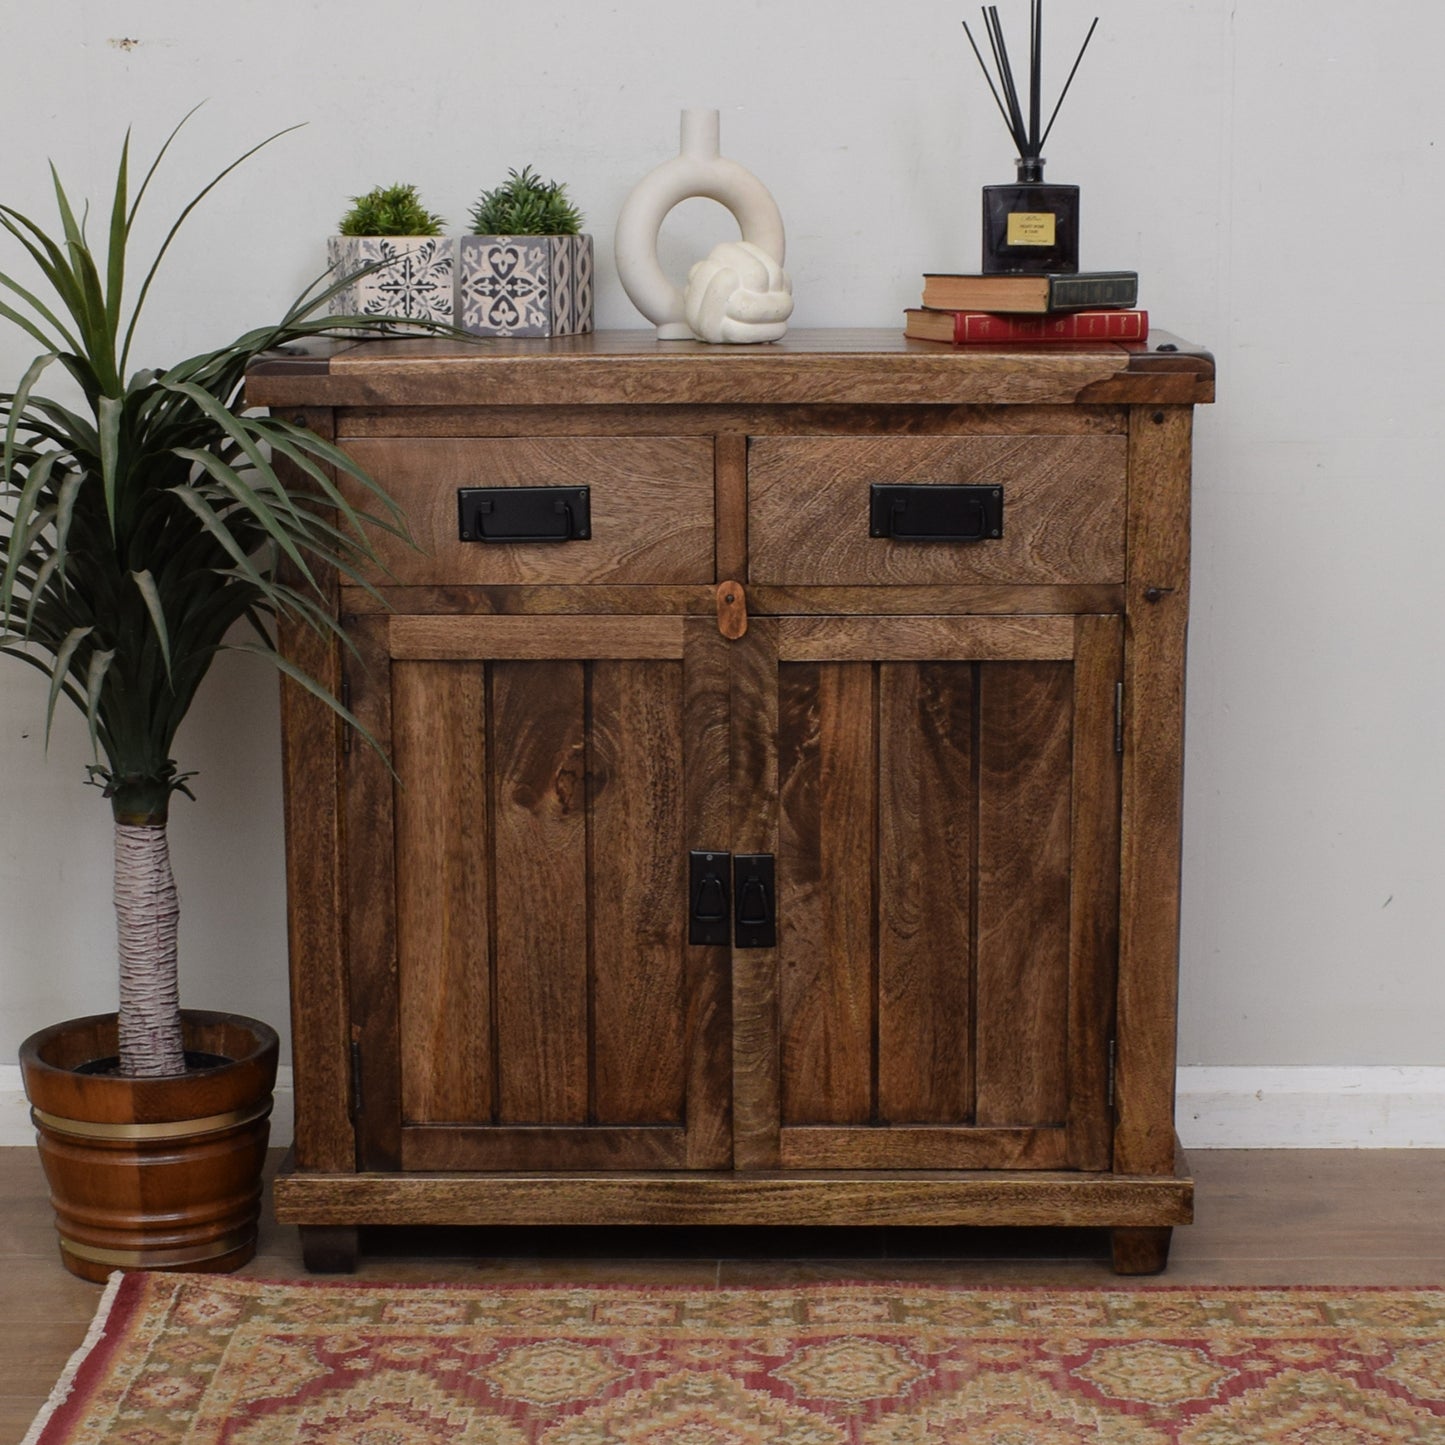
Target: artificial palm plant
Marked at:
146, 514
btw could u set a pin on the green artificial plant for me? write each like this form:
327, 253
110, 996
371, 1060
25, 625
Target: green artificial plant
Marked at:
138, 524
526, 205
390, 211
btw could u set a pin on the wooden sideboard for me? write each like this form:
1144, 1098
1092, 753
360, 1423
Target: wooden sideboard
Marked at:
756, 854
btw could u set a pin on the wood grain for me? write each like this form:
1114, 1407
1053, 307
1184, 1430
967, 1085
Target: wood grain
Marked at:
1063, 509
311, 756
443, 926
730, 460
539, 802
927, 845
926, 1147
416, 638
512, 1147
1022, 968
865, 367
650, 502
637, 889
370, 912
777, 418
754, 755
1152, 806
923, 639
1094, 889
912, 1197
827, 770
706, 761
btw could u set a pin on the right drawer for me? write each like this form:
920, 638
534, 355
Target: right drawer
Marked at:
809, 515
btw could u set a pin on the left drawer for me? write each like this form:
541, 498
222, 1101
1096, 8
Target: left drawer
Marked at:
651, 501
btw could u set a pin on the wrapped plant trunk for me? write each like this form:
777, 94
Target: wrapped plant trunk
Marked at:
147, 915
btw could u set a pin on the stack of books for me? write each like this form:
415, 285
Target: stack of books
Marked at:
1083, 306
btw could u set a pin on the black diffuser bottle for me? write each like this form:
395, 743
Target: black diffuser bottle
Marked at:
1029, 226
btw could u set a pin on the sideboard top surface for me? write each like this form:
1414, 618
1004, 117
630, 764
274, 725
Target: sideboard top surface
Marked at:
855, 367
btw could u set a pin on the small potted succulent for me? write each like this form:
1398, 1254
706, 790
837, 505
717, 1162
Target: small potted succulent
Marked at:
526, 269
399, 262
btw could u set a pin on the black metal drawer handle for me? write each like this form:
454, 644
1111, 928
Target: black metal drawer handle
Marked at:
924, 512
524, 514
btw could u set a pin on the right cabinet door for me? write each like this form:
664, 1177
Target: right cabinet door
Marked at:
947, 813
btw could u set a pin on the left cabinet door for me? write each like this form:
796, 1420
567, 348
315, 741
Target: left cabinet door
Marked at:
523, 992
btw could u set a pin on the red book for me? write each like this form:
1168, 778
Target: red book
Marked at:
961, 327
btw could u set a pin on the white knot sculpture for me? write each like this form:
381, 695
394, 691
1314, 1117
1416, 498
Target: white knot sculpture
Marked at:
739, 293
699, 169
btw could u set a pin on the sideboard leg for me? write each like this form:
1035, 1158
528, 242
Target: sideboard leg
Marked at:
1141, 1250
330, 1248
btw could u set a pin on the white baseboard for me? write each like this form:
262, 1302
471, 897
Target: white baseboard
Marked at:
1311, 1108
1240, 1108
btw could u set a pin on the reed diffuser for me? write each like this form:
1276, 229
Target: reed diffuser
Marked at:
1029, 226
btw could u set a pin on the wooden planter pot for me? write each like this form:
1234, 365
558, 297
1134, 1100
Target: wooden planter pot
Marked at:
158, 1173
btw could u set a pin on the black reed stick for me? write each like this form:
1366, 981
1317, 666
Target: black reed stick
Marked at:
1025, 133
1068, 82
1036, 62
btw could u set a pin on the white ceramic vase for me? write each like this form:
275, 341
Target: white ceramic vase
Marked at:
697, 170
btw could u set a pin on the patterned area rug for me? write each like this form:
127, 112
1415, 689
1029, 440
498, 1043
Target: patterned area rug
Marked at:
208, 1360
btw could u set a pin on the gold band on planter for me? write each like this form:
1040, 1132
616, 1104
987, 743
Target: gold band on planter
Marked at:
180, 1128
159, 1258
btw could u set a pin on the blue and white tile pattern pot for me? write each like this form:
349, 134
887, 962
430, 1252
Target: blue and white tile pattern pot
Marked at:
524, 285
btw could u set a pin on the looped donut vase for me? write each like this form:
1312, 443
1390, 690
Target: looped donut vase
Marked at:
153, 1173
697, 170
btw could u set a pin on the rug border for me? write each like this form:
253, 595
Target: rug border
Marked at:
112, 1314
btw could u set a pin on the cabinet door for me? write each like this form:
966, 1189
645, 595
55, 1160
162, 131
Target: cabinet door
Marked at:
945, 796
523, 995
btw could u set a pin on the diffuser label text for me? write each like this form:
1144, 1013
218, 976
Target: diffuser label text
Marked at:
1031, 228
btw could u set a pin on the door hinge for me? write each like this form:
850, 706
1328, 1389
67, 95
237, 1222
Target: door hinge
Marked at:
1118, 717
1111, 1074
346, 728
357, 1102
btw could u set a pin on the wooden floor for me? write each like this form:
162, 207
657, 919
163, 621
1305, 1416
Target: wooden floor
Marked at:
1263, 1217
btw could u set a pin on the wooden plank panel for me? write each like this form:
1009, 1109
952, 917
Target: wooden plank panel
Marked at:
923, 639
371, 905
418, 638
827, 772
638, 886
312, 799
651, 501
927, 813
1152, 804
520, 1147
1094, 900
1063, 500
539, 798
863, 366
731, 500
929, 601
753, 729
686, 420
925, 1147
702, 601
916, 1197
1021, 1003
706, 761
443, 932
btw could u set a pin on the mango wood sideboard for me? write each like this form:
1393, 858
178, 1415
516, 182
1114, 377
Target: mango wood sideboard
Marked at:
782, 814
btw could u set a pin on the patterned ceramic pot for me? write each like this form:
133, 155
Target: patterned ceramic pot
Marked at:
524, 285
414, 277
